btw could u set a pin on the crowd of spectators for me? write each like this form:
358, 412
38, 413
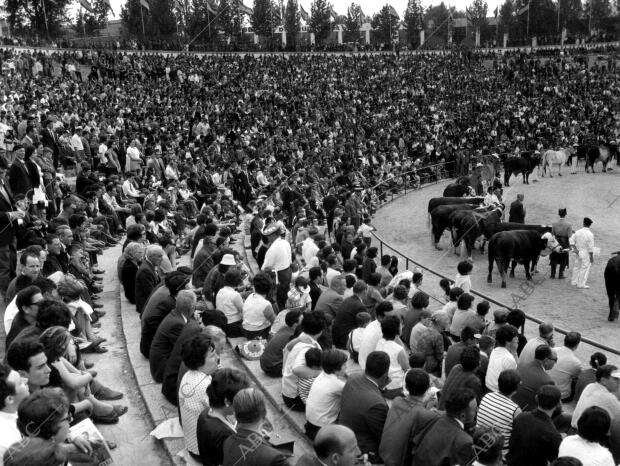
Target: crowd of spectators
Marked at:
175, 155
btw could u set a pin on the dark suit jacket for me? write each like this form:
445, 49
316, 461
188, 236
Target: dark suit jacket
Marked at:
309, 460
364, 410
128, 279
517, 212
247, 448
344, 322
534, 440
163, 342
158, 306
329, 302
533, 376
49, 141
19, 178
146, 281
169, 387
444, 443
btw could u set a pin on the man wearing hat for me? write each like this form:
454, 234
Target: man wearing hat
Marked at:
583, 245
562, 230
278, 261
19, 173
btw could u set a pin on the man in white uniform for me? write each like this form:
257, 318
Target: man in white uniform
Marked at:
278, 260
583, 243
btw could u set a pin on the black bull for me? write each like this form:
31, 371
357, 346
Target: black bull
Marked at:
437, 201
440, 219
523, 246
612, 285
467, 226
524, 165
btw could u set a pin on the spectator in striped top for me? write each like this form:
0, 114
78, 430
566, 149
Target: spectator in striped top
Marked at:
497, 408
313, 361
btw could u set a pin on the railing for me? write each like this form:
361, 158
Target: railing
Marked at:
408, 261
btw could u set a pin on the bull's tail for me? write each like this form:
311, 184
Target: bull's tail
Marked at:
544, 161
428, 220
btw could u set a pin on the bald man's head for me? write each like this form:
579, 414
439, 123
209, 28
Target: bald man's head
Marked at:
336, 445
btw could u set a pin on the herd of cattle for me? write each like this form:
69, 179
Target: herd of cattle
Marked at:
469, 221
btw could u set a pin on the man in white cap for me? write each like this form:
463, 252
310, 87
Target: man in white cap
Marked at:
278, 260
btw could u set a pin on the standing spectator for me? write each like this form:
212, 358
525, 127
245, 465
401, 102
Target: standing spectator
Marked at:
568, 367
463, 279
583, 246
323, 402
446, 441
250, 413
562, 230
363, 408
593, 428
214, 425
517, 210
278, 261
503, 356
535, 440
497, 409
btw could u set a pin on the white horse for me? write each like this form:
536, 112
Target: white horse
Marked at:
556, 157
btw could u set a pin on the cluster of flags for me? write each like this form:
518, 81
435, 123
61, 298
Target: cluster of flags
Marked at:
88, 6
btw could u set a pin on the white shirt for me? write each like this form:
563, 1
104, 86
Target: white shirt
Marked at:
589, 453
528, 351
584, 240
228, 300
309, 249
9, 314
567, 368
192, 401
278, 256
323, 403
129, 189
396, 372
500, 360
330, 274
596, 394
9, 433
76, 142
371, 336
295, 358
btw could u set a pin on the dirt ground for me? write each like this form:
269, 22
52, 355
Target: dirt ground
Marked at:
403, 225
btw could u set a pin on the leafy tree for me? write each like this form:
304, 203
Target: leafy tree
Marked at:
27, 16
229, 19
162, 21
292, 23
201, 13
261, 19
478, 13
385, 24
507, 19
353, 22
320, 20
438, 16
414, 15
131, 19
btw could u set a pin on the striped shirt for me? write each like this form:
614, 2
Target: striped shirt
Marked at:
497, 410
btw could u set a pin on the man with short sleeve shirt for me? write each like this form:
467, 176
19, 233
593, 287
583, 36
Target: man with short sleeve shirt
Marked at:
278, 260
583, 242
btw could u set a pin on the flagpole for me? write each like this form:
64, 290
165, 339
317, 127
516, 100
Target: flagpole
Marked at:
82, 18
142, 19
559, 8
47, 31
527, 31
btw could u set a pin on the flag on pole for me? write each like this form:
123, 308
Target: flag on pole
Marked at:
393, 11
244, 9
496, 11
86, 5
520, 11
332, 12
146, 5
303, 13
53, 2
211, 8
108, 6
